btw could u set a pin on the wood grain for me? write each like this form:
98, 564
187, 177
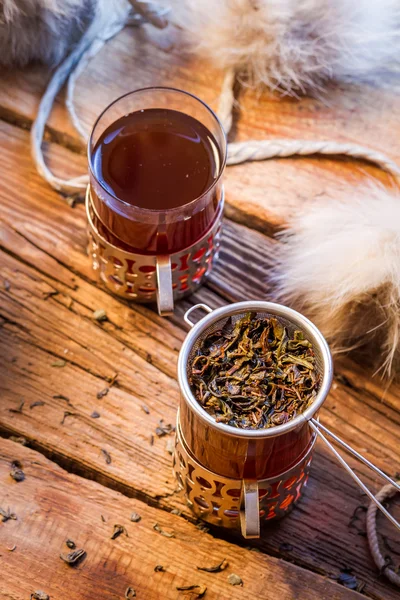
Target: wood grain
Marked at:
43, 251
52, 506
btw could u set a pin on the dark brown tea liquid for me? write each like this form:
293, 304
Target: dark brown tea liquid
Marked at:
160, 160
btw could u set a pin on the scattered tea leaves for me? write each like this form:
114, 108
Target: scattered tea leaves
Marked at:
71, 544
102, 393
159, 569
17, 410
113, 379
167, 534
103, 519
254, 373
130, 593
118, 530
176, 511
95, 414
75, 557
7, 515
170, 445
135, 517
100, 315
200, 590
6, 285
348, 580
39, 595
107, 456
151, 439
164, 429
67, 413
18, 440
37, 403
59, 363
285, 547
145, 409
12, 548
16, 471
202, 527
61, 397
216, 568
48, 295
234, 579
356, 522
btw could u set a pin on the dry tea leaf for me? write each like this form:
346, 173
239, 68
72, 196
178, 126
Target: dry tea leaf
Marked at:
217, 568
67, 413
39, 595
59, 363
61, 397
75, 557
16, 471
17, 410
170, 445
130, 593
48, 295
112, 380
12, 548
234, 579
118, 530
7, 285
145, 409
135, 518
37, 403
7, 515
107, 456
95, 415
71, 544
103, 519
200, 590
102, 393
100, 315
253, 373
157, 528
163, 429
151, 439
176, 511
18, 440
159, 569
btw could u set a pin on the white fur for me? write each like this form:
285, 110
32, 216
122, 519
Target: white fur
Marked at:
340, 264
296, 45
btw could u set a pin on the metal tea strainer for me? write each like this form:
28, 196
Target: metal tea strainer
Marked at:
234, 476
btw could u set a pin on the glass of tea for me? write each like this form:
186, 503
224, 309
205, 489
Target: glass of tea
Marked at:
155, 198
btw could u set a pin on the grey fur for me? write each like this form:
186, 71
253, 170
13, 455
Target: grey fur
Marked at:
41, 30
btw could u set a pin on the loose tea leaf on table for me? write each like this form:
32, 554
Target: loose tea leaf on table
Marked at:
216, 568
130, 593
199, 590
16, 471
254, 373
234, 579
118, 530
39, 595
7, 515
73, 558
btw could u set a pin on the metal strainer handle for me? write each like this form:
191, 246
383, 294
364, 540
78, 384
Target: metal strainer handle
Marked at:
316, 426
192, 309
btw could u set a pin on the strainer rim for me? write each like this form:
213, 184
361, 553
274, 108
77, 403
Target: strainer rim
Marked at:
275, 309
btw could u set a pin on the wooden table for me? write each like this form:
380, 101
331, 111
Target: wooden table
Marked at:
85, 474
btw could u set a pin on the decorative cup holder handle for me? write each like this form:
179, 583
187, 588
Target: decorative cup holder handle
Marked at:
165, 297
250, 510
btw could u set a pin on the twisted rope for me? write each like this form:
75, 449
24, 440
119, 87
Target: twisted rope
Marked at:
251, 150
104, 27
387, 492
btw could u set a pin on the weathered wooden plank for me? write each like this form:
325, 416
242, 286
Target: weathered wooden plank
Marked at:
52, 506
36, 332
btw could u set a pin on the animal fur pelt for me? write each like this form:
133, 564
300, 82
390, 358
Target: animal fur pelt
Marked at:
296, 45
339, 263
46, 30
41, 30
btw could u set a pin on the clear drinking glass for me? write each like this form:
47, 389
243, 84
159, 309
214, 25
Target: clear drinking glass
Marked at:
148, 231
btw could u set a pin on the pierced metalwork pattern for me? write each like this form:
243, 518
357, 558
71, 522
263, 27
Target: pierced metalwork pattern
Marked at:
217, 499
133, 276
